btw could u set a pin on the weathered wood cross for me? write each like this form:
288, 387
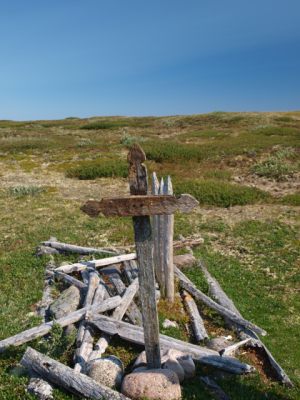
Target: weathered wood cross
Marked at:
141, 206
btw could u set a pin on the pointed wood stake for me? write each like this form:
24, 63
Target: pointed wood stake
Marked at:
167, 242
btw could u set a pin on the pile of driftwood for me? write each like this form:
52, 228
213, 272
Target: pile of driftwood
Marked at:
110, 304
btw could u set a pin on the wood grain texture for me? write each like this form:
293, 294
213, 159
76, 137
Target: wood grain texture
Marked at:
195, 317
61, 375
84, 340
70, 280
138, 184
71, 248
204, 355
103, 262
43, 329
118, 314
129, 206
167, 243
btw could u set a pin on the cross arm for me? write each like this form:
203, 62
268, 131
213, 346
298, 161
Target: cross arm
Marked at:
140, 205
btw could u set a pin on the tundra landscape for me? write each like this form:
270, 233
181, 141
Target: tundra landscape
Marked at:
244, 170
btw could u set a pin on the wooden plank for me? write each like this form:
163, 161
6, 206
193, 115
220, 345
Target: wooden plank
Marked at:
201, 354
197, 294
61, 375
118, 314
103, 262
70, 280
130, 270
84, 340
167, 242
195, 317
156, 234
138, 184
162, 282
132, 310
71, 248
129, 206
43, 329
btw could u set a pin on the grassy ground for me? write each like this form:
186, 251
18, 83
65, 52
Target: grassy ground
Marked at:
242, 167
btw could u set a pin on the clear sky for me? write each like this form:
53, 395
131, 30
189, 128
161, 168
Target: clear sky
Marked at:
62, 58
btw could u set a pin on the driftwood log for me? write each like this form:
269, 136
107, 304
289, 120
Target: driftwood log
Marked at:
203, 355
84, 340
103, 262
61, 375
195, 317
71, 248
245, 333
118, 314
43, 329
130, 270
132, 310
197, 294
71, 280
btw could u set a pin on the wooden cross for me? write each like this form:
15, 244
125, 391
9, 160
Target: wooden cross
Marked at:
140, 206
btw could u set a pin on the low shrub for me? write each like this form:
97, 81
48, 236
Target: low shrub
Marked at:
118, 123
220, 194
221, 174
99, 169
22, 191
275, 166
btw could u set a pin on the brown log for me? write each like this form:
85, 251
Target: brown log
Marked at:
61, 375
195, 317
129, 206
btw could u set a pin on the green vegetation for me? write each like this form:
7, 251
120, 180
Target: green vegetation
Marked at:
99, 169
21, 191
220, 194
276, 166
251, 249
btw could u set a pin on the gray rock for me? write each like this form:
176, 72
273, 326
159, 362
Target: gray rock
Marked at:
185, 361
174, 366
153, 384
169, 324
184, 260
108, 371
67, 302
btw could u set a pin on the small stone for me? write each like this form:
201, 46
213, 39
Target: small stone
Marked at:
153, 384
40, 388
174, 366
108, 371
184, 260
169, 324
185, 361
66, 303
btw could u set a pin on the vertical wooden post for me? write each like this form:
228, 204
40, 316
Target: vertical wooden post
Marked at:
167, 242
156, 238
161, 230
144, 248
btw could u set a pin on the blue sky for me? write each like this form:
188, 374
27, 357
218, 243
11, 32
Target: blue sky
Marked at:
63, 58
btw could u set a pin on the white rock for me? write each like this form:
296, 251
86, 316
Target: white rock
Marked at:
107, 371
169, 324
